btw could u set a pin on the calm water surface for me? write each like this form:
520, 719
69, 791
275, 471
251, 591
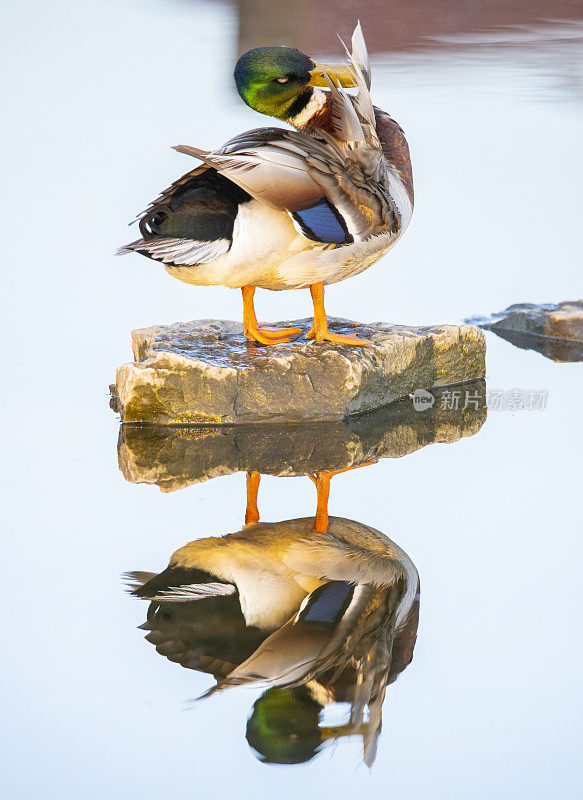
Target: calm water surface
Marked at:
487, 506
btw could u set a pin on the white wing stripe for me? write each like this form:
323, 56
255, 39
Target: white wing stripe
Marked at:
194, 591
187, 252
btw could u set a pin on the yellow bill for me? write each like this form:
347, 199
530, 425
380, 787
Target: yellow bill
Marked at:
339, 73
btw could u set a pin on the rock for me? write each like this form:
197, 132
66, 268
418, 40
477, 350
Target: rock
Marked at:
555, 330
174, 457
206, 373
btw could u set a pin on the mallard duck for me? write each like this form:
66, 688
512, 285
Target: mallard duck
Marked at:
282, 605
288, 209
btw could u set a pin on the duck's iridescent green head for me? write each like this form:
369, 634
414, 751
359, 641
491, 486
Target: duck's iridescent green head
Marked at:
270, 79
276, 80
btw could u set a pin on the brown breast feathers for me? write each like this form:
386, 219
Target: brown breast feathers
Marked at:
395, 148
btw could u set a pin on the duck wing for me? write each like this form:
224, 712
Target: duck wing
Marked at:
208, 636
336, 192
329, 629
192, 221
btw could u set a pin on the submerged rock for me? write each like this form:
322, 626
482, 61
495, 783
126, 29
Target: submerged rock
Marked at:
553, 329
205, 372
174, 457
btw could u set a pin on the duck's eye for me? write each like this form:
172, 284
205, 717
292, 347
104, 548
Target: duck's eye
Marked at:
285, 79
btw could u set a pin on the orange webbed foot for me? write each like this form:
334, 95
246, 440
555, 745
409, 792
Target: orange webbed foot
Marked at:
324, 335
319, 330
278, 333
253, 331
265, 336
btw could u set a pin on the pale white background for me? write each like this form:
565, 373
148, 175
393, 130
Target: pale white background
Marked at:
93, 96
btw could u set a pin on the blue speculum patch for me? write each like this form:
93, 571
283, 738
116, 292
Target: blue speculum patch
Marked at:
322, 223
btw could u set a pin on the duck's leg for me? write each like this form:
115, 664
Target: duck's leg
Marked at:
251, 327
251, 510
319, 330
322, 481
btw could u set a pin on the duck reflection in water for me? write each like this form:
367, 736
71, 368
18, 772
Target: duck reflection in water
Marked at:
320, 610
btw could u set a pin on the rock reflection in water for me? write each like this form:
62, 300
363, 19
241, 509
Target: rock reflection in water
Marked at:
175, 457
559, 350
319, 618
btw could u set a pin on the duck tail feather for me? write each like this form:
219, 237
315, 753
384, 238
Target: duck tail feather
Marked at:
196, 152
135, 579
360, 69
360, 54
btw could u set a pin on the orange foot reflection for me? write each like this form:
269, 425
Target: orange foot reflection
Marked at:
322, 481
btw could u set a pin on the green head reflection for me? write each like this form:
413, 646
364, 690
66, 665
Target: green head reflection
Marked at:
284, 726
